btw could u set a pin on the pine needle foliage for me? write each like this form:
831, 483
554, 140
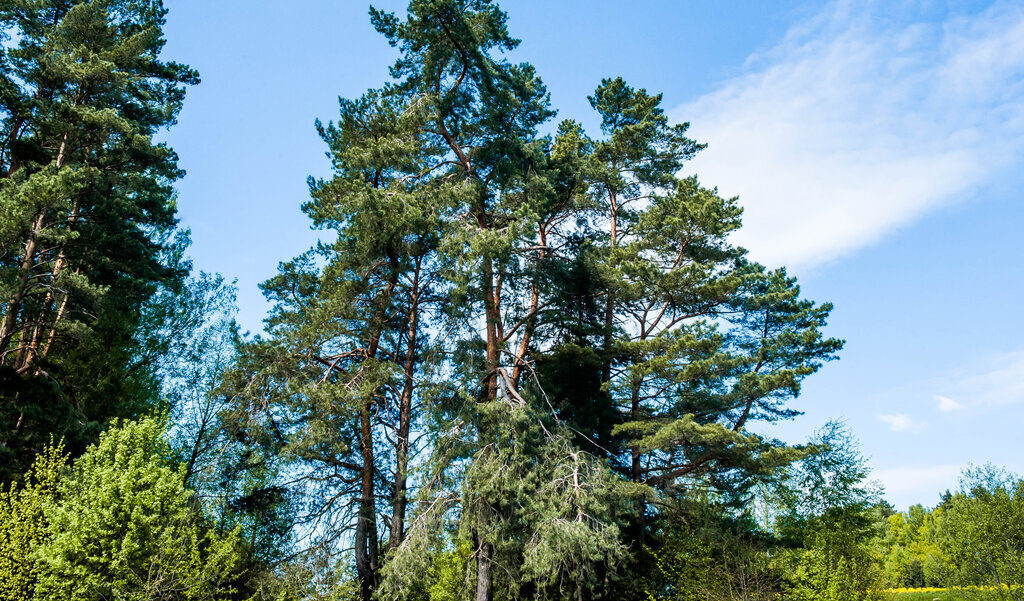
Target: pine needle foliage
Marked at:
88, 232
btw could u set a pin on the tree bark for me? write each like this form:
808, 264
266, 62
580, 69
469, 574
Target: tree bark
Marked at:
7, 327
366, 526
609, 309
492, 314
636, 469
484, 590
367, 557
9, 323
399, 502
531, 317
58, 267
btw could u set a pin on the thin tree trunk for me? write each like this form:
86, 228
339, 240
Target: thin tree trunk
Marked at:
366, 525
58, 267
61, 312
7, 327
492, 315
531, 318
25, 356
400, 502
634, 414
636, 469
15, 163
609, 309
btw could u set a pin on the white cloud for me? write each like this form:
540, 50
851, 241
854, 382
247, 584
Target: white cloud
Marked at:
947, 404
996, 383
918, 484
901, 422
853, 126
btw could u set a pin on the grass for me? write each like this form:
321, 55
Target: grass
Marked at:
944, 595
921, 596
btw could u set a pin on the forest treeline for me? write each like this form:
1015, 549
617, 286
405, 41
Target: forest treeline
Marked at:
526, 361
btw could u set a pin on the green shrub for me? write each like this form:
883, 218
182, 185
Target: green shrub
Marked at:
22, 524
124, 527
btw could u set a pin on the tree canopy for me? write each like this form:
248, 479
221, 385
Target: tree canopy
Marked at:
525, 360
88, 232
563, 319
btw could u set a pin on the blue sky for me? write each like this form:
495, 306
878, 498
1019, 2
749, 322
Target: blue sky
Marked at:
877, 148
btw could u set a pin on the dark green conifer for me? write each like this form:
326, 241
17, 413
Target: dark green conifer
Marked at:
564, 319
87, 214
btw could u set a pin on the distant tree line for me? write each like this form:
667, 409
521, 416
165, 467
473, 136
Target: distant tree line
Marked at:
520, 365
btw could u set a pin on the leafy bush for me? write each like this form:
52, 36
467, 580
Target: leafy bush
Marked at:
837, 562
983, 534
22, 525
123, 526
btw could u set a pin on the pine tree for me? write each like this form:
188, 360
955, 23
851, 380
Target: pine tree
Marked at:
563, 318
87, 226
509, 238
340, 369
698, 341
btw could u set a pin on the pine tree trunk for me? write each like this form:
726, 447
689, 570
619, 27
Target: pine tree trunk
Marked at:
9, 323
484, 589
31, 351
634, 414
399, 502
636, 469
531, 317
492, 315
58, 268
7, 327
61, 312
609, 309
366, 525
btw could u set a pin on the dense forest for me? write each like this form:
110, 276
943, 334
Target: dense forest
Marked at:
526, 361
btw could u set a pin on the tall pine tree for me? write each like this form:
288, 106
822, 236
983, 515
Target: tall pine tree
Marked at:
563, 319
87, 225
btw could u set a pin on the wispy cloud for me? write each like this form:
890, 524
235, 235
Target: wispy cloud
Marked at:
901, 422
996, 383
947, 404
853, 125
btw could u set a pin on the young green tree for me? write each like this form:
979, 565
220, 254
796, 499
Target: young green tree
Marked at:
827, 519
705, 550
23, 524
123, 526
982, 536
913, 557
